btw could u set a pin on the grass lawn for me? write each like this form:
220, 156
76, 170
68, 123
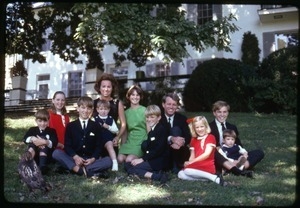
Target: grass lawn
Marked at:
274, 182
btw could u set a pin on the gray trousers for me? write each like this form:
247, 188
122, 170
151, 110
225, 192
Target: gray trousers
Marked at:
68, 162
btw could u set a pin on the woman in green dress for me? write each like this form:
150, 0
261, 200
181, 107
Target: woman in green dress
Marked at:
136, 131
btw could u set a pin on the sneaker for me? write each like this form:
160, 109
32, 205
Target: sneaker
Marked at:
115, 167
241, 162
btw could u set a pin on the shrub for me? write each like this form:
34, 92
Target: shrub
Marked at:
276, 87
219, 79
18, 70
250, 49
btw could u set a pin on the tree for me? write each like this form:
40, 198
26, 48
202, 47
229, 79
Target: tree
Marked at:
24, 33
138, 30
250, 49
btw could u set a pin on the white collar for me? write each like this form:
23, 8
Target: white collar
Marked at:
103, 117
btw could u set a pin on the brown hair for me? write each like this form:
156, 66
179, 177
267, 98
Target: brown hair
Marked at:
52, 107
219, 104
112, 79
42, 114
85, 100
171, 95
131, 90
104, 103
229, 133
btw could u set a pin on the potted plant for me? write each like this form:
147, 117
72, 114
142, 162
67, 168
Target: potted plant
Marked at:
19, 75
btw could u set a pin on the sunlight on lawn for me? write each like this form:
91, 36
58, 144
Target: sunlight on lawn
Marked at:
275, 196
139, 192
293, 149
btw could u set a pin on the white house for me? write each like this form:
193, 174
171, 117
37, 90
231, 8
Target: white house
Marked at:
273, 25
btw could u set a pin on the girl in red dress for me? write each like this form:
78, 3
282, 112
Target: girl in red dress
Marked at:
59, 117
202, 147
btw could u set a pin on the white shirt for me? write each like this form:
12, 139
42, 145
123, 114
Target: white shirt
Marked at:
220, 131
81, 122
171, 119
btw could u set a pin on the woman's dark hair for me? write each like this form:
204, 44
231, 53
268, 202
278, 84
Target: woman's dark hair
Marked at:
112, 79
135, 88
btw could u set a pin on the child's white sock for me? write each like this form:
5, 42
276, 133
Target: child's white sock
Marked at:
115, 165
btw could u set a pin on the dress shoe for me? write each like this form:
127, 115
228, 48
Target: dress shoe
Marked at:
102, 174
247, 173
222, 182
163, 178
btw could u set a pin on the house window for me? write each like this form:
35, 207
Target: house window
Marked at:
43, 77
286, 40
158, 70
273, 41
43, 82
162, 70
205, 13
120, 72
75, 84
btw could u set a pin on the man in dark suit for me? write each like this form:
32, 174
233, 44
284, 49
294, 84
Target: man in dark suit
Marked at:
221, 111
179, 135
83, 144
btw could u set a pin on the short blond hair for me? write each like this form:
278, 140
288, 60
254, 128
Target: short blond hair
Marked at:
153, 110
199, 119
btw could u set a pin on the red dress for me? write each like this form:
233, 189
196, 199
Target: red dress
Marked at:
59, 123
207, 165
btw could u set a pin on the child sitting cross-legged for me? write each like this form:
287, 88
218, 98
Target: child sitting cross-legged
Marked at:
155, 159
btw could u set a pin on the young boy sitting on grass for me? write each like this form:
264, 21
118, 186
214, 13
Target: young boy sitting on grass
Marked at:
41, 140
155, 148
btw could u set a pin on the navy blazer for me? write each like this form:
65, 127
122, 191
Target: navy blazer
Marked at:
86, 144
48, 133
215, 132
156, 148
180, 121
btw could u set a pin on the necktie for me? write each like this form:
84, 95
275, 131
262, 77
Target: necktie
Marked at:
223, 126
169, 122
83, 125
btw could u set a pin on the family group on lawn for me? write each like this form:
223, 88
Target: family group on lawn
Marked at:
148, 142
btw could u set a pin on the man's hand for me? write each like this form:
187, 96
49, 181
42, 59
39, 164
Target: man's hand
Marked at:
175, 146
89, 161
177, 142
79, 161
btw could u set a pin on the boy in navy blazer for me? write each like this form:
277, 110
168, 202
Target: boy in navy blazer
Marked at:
83, 143
155, 148
41, 140
218, 125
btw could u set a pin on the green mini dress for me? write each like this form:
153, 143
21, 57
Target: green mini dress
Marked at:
137, 131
